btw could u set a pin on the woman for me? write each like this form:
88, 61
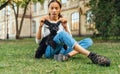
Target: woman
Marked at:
64, 36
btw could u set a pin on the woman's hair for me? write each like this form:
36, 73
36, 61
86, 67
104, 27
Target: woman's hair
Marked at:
58, 4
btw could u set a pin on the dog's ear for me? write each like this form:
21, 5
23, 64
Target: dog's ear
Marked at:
47, 22
58, 23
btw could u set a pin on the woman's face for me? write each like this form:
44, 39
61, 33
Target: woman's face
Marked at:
54, 10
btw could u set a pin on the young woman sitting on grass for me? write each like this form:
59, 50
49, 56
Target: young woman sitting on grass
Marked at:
64, 36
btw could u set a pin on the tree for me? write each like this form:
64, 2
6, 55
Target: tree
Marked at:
4, 4
16, 5
105, 12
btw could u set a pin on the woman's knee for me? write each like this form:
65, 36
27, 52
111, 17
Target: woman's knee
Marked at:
86, 43
89, 41
62, 33
60, 36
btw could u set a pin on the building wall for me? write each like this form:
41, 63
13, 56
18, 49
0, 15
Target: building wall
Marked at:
34, 13
68, 9
71, 6
7, 23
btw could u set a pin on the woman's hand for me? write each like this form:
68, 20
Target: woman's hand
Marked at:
39, 33
64, 22
42, 21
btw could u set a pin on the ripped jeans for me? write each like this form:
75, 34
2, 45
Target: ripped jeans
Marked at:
64, 38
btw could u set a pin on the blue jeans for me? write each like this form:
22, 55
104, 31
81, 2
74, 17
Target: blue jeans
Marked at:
64, 38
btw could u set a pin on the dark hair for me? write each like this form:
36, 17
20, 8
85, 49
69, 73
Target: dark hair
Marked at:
58, 3
55, 1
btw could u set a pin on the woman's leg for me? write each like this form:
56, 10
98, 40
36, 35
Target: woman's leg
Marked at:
64, 37
79, 49
69, 41
50, 52
85, 43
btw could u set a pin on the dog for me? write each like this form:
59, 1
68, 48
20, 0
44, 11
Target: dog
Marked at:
48, 40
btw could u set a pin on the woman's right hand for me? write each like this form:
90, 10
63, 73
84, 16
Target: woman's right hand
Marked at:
42, 21
39, 33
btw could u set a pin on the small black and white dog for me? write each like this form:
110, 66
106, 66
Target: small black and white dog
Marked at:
48, 40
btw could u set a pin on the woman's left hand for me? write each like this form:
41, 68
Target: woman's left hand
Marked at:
64, 22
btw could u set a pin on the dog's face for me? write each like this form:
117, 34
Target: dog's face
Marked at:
53, 27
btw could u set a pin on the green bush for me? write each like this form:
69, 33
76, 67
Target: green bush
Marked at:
107, 17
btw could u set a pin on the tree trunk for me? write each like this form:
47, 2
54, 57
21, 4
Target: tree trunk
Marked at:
21, 23
16, 20
18, 29
18, 35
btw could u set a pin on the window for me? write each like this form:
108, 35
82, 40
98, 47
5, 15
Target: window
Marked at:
75, 21
34, 27
8, 10
63, 1
35, 7
89, 17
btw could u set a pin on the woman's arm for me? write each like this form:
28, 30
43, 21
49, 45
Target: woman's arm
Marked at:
39, 32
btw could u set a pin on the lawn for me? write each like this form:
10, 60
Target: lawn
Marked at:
17, 57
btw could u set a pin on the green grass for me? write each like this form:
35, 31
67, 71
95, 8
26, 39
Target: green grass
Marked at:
17, 57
